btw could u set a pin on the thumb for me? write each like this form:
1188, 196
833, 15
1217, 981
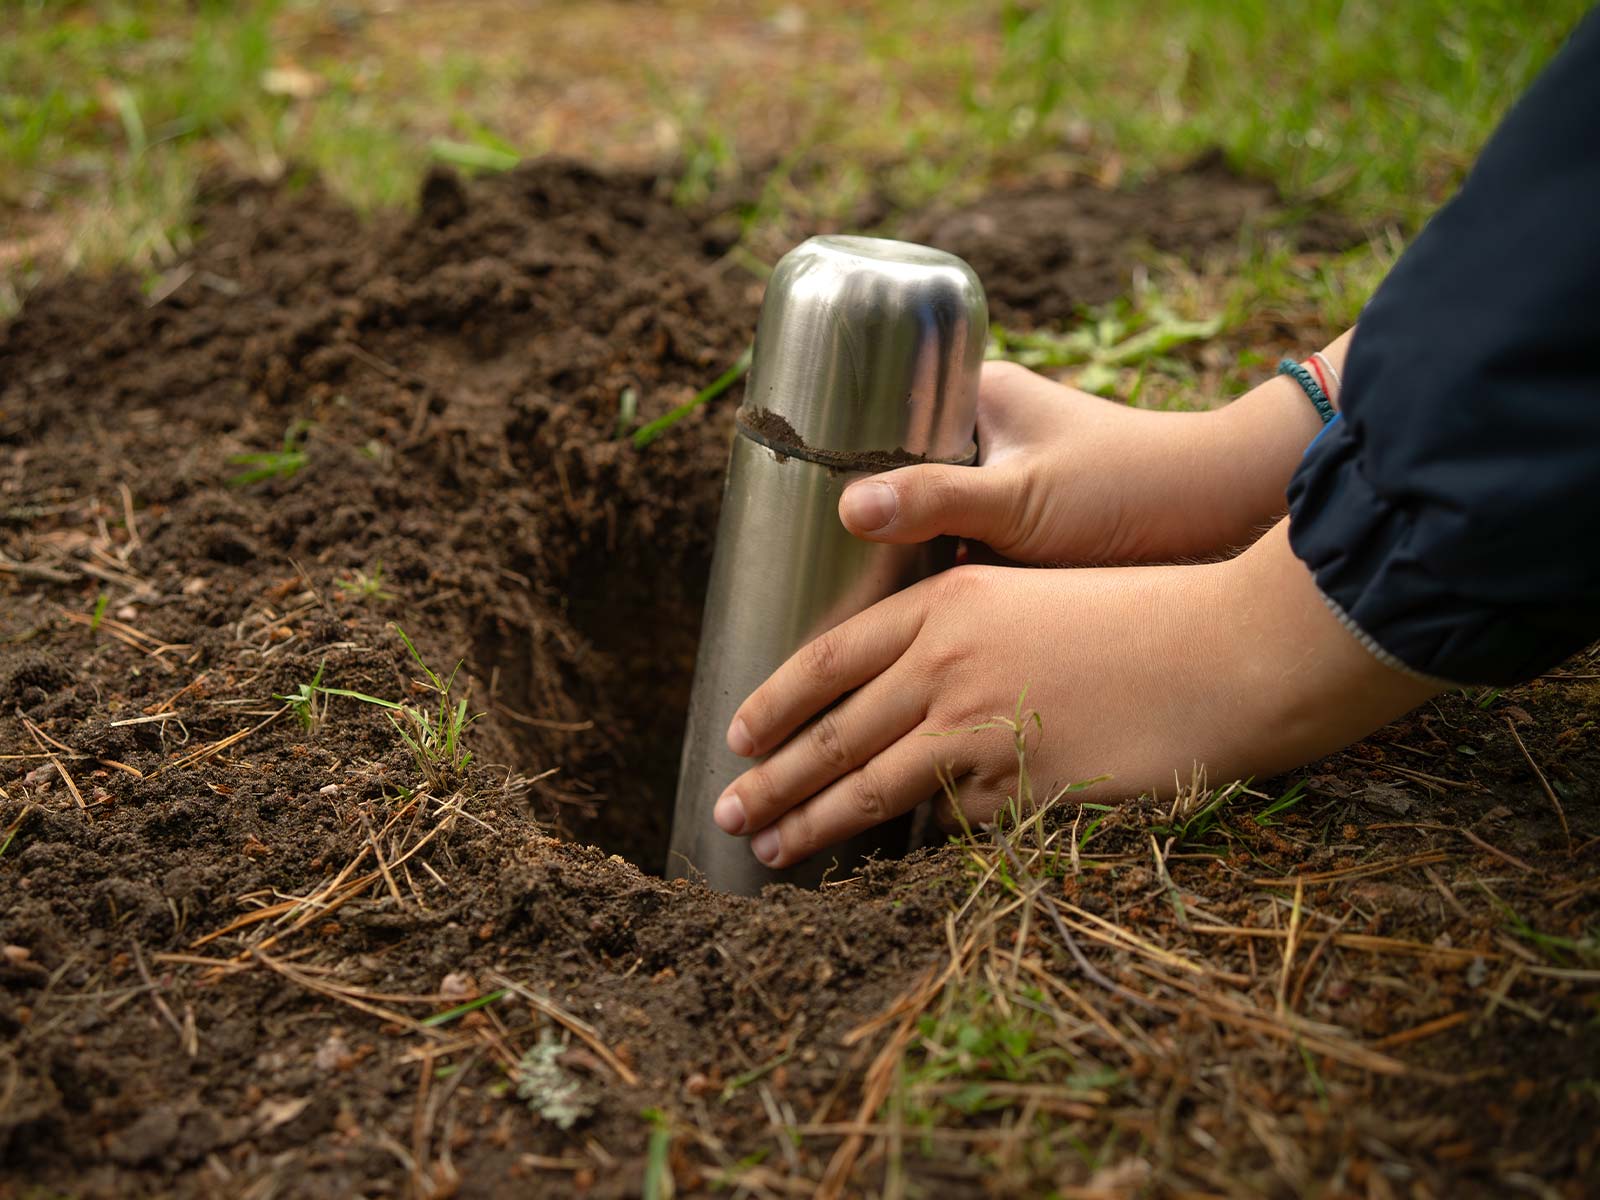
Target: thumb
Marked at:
914, 504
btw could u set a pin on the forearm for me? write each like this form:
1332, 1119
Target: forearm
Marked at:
1306, 686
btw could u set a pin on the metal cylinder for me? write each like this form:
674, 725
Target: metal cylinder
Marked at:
866, 358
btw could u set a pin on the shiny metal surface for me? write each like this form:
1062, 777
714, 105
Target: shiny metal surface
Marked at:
867, 344
864, 346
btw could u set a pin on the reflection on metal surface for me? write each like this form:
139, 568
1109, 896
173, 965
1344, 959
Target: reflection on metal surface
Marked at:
868, 353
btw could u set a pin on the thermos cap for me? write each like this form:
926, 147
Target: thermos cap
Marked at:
869, 346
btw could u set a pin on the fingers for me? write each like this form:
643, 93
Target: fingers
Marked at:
914, 504
826, 668
837, 742
894, 782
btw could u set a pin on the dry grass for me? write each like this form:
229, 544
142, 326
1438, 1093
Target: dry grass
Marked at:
1100, 1029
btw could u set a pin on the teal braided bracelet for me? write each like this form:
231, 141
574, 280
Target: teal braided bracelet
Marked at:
1309, 385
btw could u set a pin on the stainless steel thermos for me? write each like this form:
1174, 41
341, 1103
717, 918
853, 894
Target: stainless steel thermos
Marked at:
866, 357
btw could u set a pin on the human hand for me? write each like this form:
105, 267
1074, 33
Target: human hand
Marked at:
1137, 673
1067, 477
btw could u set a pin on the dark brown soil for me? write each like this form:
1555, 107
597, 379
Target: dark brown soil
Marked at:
774, 431
1043, 251
220, 928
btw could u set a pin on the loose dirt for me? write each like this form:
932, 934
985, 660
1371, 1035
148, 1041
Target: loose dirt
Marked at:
774, 431
235, 944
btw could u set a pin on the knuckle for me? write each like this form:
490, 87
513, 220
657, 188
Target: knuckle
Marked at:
940, 489
867, 796
942, 660
820, 658
828, 743
954, 721
757, 794
797, 835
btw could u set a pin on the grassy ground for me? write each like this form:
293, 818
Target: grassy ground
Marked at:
110, 111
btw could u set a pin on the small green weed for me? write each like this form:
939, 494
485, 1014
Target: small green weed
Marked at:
99, 614
484, 155
435, 739
1106, 346
627, 410
745, 1078
972, 1044
11, 830
461, 1010
1581, 951
303, 700
365, 585
1295, 794
272, 464
1196, 814
1022, 817
433, 733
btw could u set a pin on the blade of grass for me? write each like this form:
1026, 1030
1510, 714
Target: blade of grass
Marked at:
657, 1172
472, 155
461, 1010
649, 433
363, 697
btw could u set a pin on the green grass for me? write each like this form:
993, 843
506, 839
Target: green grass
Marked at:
303, 701
365, 585
434, 733
1105, 346
112, 110
119, 108
284, 463
1378, 106
644, 436
657, 1183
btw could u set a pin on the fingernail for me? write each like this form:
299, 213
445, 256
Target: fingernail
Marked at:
729, 813
870, 506
765, 845
739, 739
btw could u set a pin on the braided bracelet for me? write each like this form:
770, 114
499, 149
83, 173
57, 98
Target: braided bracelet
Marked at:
1309, 385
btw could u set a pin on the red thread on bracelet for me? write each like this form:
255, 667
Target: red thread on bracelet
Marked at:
1316, 369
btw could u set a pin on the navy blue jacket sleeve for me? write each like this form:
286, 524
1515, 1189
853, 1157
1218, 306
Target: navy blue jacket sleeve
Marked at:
1451, 514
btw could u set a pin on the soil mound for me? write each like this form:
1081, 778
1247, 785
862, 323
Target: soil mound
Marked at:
1043, 251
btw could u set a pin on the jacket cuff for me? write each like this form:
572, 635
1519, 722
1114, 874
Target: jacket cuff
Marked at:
1369, 556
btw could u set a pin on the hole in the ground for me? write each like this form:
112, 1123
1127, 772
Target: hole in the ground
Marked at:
629, 671
648, 624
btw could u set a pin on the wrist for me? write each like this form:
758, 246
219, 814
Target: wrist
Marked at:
1231, 467
1259, 441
